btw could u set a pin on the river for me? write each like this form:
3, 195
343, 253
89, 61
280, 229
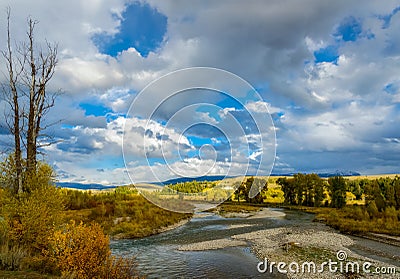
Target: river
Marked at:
158, 255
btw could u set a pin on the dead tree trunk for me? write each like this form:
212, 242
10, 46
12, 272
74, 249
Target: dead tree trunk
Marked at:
14, 124
41, 70
29, 71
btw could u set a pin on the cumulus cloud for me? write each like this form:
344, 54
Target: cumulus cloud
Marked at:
333, 96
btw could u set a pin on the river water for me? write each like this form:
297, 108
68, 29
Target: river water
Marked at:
158, 256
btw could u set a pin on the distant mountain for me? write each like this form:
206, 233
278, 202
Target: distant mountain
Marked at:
339, 173
220, 177
83, 186
324, 174
188, 179
94, 186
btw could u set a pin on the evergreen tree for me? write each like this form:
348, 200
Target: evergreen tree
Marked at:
337, 190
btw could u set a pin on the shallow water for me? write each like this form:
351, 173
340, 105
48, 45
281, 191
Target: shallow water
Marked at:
158, 255
376, 250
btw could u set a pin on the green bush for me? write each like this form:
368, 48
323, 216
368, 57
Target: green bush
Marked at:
372, 210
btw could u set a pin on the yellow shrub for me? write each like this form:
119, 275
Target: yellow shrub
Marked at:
83, 252
80, 251
32, 217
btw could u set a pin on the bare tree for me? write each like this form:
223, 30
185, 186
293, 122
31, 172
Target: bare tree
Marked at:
30, 68
36, 77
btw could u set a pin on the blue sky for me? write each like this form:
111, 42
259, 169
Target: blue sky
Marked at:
141, 27
326, 70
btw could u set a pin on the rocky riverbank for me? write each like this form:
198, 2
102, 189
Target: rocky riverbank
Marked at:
212, 245
263, 213
225, 242
311, 242
172, 227
299, 243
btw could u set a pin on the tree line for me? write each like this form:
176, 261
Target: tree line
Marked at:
252, 190
190, 186
381, 192
311, 190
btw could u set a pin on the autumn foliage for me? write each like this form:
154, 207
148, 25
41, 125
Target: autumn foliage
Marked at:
79, 250
34, 235
82, 252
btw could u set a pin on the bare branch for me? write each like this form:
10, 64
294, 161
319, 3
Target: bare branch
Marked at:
30, 69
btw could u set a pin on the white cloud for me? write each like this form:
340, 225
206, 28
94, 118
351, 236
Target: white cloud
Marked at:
84, 74
262, 107
222, 113
329, 108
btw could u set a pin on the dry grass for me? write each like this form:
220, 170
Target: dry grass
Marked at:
237, 207
372, 177
24, 275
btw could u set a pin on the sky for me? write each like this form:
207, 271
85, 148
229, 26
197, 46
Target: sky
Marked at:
157, 89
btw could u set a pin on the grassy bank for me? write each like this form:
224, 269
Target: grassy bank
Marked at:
235, 207
122, 213
355, 219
